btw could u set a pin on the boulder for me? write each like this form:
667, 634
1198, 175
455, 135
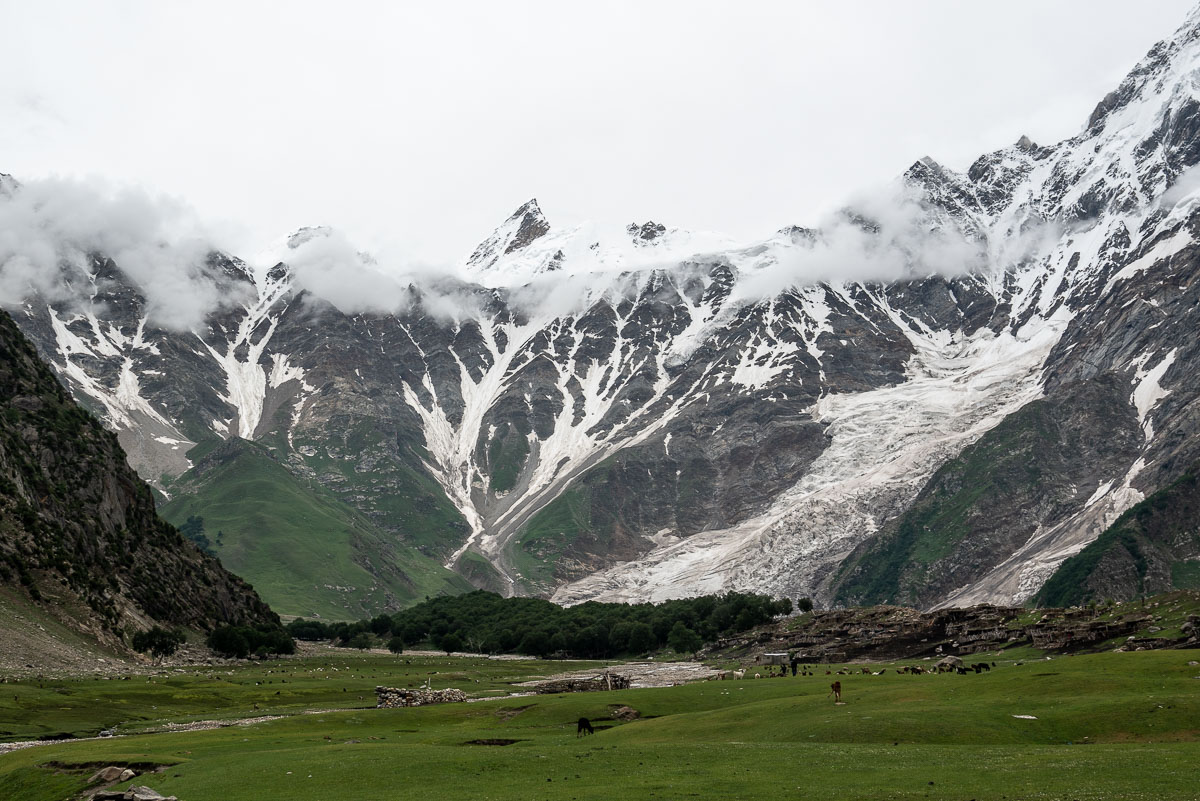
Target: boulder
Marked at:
107, 775
626, 713
143, 793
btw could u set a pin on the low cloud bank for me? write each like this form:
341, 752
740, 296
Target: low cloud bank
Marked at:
50, 229
890, 235
324, 262
1185, 185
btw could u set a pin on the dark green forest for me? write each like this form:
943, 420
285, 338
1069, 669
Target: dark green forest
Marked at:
485, 622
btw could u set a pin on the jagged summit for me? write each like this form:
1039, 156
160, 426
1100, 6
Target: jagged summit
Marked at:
523, 227
646, 233
303, 236
526, 246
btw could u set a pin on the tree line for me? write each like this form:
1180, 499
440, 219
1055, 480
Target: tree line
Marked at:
485, 622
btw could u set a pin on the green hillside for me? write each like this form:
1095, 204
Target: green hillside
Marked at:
1154, 547
982, 505
304, 550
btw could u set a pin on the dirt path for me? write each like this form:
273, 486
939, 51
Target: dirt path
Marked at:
166, 728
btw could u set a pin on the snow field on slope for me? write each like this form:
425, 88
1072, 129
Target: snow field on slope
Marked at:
885, 444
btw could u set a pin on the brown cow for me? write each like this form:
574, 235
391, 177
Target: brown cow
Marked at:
835, 690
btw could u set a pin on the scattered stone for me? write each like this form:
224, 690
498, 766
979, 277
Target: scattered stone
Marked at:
641, 674
144, 793
139, 793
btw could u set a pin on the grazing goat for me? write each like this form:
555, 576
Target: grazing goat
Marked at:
585, 727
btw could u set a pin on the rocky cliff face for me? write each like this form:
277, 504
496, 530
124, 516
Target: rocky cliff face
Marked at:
934, 398
78, 527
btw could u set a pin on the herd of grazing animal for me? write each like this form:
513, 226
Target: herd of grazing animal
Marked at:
806, 670
835, 689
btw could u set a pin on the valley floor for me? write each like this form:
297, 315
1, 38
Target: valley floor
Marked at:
1109, 725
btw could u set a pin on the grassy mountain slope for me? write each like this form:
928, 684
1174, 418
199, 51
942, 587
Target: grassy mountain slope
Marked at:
308, 552
1154, 547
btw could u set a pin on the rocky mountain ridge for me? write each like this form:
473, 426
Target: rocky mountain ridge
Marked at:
78, 529
935, 398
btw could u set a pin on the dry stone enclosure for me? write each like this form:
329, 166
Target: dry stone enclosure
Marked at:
396, 697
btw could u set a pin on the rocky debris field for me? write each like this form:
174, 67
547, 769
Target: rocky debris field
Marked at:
884, 633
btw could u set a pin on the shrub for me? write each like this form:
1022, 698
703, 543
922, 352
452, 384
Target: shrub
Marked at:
451, 642
158, 642
241, 641
682, 639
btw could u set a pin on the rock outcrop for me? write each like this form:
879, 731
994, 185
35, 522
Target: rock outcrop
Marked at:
888, 633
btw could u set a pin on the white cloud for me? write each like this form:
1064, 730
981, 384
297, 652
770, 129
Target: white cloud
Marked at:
49, 229
1186, 184
886, 235
330, 267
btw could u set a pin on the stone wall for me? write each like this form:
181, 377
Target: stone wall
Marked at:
394, 697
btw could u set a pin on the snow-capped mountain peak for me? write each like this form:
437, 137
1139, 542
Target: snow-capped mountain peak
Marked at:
521, 229
526, 246
702, 414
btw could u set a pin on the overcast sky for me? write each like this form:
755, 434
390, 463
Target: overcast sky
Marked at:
420, 126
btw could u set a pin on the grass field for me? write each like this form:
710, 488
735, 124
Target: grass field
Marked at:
301, 547
1111, 726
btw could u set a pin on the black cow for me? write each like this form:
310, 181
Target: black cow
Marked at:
585, 727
